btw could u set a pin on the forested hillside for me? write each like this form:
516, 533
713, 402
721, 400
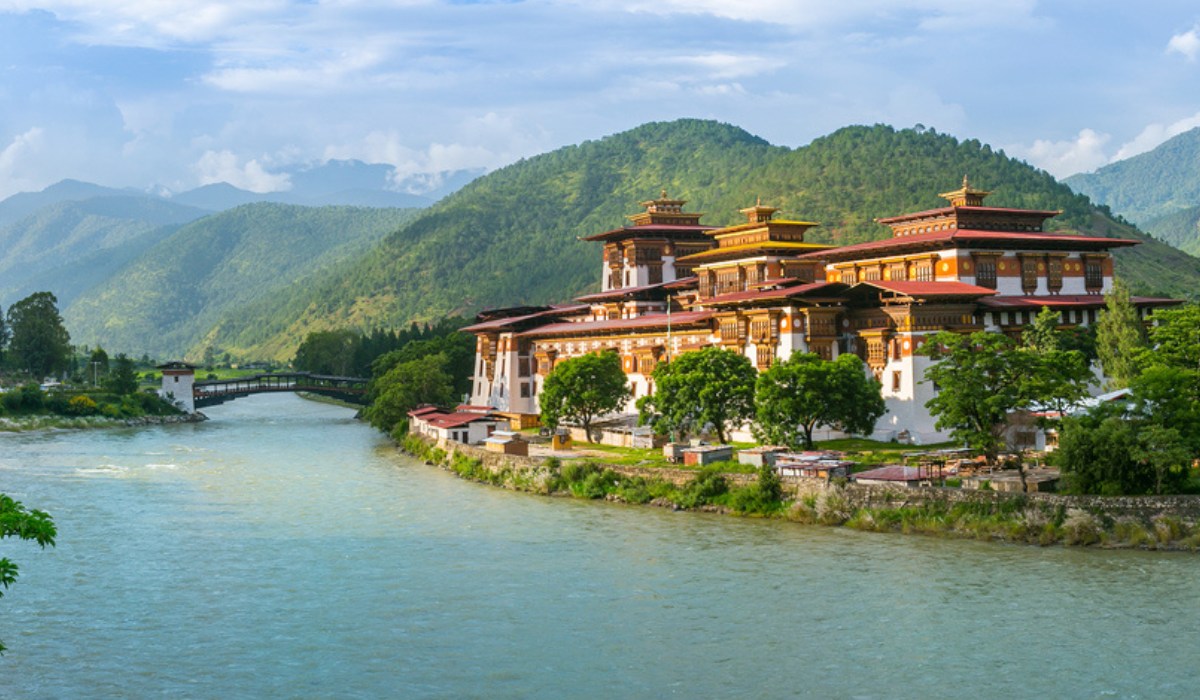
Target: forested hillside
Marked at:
1181, 229
186, 286
511, 236
1149, 185
69, 246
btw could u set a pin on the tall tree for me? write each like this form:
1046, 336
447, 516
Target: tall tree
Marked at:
583, 388
5, 335
327, 352
98, 364
18, 521
795, 396
711, 386
1120, 337
979, 381
406, 386
123, 380
40, 343
1175, 337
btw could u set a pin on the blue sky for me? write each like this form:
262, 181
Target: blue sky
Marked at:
172, 94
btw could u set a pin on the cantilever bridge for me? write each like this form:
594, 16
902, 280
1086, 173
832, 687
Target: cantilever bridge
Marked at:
211, 393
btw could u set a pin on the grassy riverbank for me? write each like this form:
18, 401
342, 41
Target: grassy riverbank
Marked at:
990, 516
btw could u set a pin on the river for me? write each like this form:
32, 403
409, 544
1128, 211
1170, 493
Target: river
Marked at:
282, 549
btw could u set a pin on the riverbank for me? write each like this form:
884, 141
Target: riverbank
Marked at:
22, 424
1144, 522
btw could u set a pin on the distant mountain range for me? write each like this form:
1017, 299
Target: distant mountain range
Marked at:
1158, 190
141, 274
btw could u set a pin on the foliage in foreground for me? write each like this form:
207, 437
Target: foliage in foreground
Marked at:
581, 389
18, 521
701, 388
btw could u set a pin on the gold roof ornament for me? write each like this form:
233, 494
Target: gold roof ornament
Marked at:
758, 213
965, 196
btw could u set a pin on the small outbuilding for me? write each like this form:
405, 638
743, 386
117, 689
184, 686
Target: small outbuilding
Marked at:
760, 456
507, 442
708, 454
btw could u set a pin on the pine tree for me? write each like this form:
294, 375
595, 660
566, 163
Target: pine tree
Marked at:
1120, 337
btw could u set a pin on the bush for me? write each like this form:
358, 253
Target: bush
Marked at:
81, 406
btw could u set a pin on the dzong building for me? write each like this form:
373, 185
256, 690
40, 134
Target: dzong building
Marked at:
669, 285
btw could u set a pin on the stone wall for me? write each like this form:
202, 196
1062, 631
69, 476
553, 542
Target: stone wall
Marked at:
1142, 508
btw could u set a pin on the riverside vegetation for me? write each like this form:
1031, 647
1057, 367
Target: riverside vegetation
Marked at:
1040, 519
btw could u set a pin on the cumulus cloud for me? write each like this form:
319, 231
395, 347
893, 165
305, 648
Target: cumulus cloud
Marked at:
224, 166
1082, 154
1154, 134
1187, 43
14, 155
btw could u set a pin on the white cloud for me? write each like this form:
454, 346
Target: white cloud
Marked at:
13, 157
724, 66
1187, 43
1062, 158
936, 15
1154, 134
223, 166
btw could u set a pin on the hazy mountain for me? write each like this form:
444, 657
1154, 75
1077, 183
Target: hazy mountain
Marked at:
22, 204
511, 236
1150, 185
1180, 229
192, 281
337, 182
68, 246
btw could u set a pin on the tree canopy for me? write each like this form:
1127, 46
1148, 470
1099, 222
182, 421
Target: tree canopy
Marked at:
40, 343
581, 389
710, 386
1120, 337
18, 521
407, 385
795, 396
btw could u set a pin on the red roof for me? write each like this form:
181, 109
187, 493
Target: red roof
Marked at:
621, 292
1045, 213
1081, 301
455, 420
502, 323
423, 410
641, 322
783, 293
914, 288
894, 473
946, 239
468, 407
649, 228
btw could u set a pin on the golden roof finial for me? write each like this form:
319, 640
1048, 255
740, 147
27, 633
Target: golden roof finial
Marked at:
966, 184
664, 194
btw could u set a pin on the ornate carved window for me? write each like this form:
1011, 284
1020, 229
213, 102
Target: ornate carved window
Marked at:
985, 272
765, 356
1029, 275
656, 275
923, 271
1093, 274
1054, 270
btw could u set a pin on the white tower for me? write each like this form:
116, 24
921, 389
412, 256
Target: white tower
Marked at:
177, 380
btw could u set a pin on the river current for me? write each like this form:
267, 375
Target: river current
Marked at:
283, 549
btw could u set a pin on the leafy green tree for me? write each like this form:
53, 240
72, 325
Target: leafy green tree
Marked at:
1108, 452
40, 343
1043, 334
5, 336
98, 364
1120, 337
327, 352
17, 521
980, 380
406, 386
123, 380
581, 389
795, 396
710, 386
1175, 337
1169, 397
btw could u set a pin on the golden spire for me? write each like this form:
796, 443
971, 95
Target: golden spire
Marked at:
965, 196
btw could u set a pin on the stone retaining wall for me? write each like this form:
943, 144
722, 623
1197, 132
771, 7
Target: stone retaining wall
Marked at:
1143, 508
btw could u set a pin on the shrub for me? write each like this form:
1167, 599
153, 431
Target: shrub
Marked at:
81, 406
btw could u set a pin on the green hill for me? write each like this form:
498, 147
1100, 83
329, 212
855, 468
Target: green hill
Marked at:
1180, 229
69, 246
181, 290
1149, 185
511, 237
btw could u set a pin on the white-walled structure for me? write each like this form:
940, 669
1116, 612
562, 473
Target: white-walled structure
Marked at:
178, 380
670, 285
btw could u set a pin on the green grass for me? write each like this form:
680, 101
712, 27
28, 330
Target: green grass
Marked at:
653, 458
871, 453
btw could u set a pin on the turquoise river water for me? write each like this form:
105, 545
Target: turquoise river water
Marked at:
284, 550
